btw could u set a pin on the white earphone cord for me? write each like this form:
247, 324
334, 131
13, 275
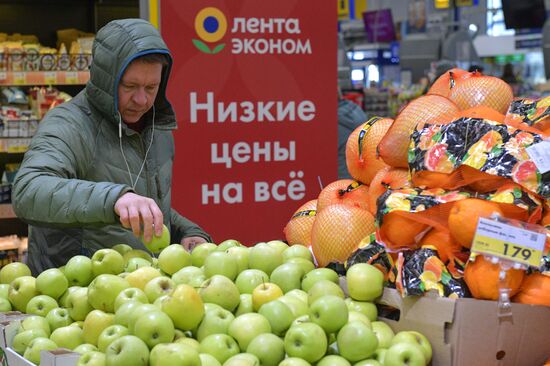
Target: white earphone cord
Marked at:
146, 151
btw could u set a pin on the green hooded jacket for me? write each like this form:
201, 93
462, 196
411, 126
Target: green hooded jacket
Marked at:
74, 171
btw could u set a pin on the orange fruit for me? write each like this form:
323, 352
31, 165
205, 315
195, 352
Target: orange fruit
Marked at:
443, 242
481, 90
298, 228
447, 81
464, 215
337, 231
535, 289
399, 232
345, 191
361, 156
482, 278
393, 178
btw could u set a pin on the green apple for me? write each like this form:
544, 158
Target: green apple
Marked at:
209, 360
184, 306
368, 362
157, 287
226, 244
178, 334
68, 337
96, 321
191, 342
200, 252
188, 274
103, 291
297, 251
384, 334
157, 243
221, 346
107, 261
242, 359
220, 263
128, 350
215, 321
23, 338
269, 349
78, 323
240, 254
297, 306
173, 258
141, 276
249, 279
137, 253
52, 282
356, 341
5, 305
404, 353
300, 320
109, 334
13, 270
299, 294
58, 318
288, 276
124, 312
22, 290
307, 341
122, 248
137, 313
278, 245
153, 328
32, 353
322, 288
84, 348
130, 294
365, 307
246, 327
245, 305
333, 360
41, 305
294, 361
264, 257
365, 282
64, 297
36, 322
317, 275
78, 271
380, 354
134, 263
4, 287
415, 338
92, 358
220, 290
78, 305
174, 354
355, 316
329, 312
208, 306
306, 265
279, 315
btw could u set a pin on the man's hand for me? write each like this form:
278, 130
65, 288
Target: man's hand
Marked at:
136, 211
190, 242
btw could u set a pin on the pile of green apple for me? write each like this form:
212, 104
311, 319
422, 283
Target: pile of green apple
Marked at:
224, 304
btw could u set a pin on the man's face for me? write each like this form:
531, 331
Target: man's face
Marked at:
138, 89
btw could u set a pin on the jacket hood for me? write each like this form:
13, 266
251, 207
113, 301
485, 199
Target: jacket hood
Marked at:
115, 46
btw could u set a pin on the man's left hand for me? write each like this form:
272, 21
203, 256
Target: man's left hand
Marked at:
192, 241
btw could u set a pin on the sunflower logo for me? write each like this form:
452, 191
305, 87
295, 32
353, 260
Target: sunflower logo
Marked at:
210, 25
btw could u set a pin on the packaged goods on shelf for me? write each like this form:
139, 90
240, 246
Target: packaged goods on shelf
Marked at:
12, 249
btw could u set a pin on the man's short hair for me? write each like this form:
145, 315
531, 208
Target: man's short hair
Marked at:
153, 58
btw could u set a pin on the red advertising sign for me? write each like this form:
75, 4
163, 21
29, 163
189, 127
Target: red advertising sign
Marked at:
254, 88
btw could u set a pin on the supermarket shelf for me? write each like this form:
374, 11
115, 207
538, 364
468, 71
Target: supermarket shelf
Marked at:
6, 211
44, 77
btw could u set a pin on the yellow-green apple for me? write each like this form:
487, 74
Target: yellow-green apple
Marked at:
333, 360
96, 321
4, 287
384, 334
226, 244
130, 294
265, 293
191, 342
288, 276
368, 362
32, 353
78, 305
174, 354
58, 318
122, 248
417, 338
127, 350
221, 346
246, 327
299, 294
245, 305
5, 305
278, 245
36, 322
279, 315
215, 321
317, 275
92, 358
178, 334
294, 361
297, 251
22, 290
173, 258
159, 300
269, 349
157, 287
109, 334
380, 354
23, 338
52, 282
139, 312
41, 305
157, 243
264, 257
184, 306
137, 253
365, 282
200, 252
211, 306
356, 341
78, 323
103, 291
141, 276
242, 359
134, 263
297, 306
306, 265
249, 279
209, 360
107, 261
63, 299
329, 312
13, 270
154, 328
322, 288
220, 290
78, 271
240, 254
300, 320
68, 337
124, 311
220, 263
191, 275
307, 341
404, 353
85, 347
366, 307
355, 316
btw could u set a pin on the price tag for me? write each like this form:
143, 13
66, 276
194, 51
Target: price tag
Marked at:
50, 77
71, 77
508, 242
19, 78
540, 154
3, 76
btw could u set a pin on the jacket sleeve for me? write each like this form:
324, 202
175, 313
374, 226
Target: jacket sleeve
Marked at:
47, 190
183, 228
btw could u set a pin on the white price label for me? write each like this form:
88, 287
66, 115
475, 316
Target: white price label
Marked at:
19, 78
540, 154
50, 77
71, 77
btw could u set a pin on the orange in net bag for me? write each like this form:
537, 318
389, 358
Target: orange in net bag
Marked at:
298, 229
362, 157
344, 191
535, 289
482, 112
447, 81
386, 178
447, 248
482, 90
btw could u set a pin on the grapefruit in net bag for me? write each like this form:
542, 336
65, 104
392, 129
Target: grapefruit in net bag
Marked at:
362, 157
482, 278
394, 146
394, 178
482, 90
447, 81
337, 231
344, 191
298, 229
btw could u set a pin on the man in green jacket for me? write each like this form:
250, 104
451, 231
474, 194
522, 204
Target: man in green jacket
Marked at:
99, 170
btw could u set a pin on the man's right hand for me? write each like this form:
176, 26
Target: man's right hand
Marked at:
136, 211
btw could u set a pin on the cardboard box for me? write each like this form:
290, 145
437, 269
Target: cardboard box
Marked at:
470, 332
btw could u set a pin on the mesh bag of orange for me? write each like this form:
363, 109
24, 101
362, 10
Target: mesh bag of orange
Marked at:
477, 153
